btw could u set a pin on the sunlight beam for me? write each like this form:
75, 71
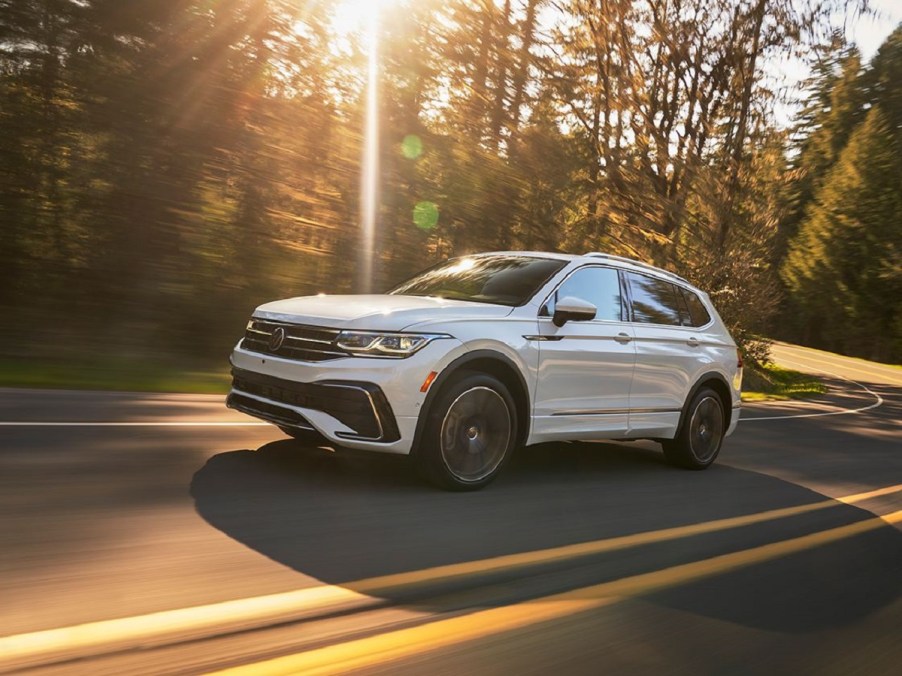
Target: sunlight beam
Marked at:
369, 180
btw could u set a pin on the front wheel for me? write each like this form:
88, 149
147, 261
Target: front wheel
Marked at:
701, 432
469, 434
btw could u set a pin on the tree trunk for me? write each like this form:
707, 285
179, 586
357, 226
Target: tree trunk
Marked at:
478, 102
501, 76
735, 159
523, 62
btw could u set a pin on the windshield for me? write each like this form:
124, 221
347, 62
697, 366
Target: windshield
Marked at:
503, 280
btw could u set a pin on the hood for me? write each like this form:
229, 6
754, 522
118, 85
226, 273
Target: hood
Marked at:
380, 312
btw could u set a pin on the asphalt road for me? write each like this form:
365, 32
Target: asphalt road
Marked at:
165, 534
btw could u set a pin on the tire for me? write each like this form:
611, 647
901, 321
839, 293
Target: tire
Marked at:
469, 434
701, 432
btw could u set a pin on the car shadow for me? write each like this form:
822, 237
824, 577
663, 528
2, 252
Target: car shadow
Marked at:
342, 518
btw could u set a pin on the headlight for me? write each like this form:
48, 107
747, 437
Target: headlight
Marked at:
375, 344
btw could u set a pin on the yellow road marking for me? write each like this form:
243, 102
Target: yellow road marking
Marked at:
861, 497
395, 645
243, 613
137, 630
553, 554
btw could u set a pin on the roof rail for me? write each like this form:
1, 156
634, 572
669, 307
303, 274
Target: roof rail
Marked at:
638, 264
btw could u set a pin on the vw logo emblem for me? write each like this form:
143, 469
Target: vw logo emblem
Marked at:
276, 339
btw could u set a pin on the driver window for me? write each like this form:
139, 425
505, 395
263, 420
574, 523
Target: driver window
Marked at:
599, 286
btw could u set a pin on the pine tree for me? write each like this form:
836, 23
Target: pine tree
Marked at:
843, 266
834, 106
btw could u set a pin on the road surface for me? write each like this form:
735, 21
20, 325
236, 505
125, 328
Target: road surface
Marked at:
165, 534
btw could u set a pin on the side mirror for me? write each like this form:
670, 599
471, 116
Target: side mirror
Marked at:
572, 309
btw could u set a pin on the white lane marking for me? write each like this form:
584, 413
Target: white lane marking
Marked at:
846, 411
134, 424
844, 362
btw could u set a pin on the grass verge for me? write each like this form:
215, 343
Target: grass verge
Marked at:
775, 383
861, 360
129, 376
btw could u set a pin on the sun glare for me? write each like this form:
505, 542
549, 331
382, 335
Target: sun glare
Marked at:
352, 16
358, 20
464, 265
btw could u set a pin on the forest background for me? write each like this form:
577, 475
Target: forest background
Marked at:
167, 165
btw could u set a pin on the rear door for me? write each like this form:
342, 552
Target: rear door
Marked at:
585, 367
667, 355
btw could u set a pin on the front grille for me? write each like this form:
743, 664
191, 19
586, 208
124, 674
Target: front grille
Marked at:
361, 406
302, 343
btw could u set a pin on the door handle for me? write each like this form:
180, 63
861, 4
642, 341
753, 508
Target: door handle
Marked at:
693, 342
623, 338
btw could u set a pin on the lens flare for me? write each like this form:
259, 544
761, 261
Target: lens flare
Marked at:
425, 215
412, 146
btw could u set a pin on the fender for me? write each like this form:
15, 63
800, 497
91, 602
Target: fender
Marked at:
449, 371
701, 382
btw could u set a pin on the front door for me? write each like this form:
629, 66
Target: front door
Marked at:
585, 367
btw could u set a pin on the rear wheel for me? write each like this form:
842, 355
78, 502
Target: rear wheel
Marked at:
701, 432
469, 434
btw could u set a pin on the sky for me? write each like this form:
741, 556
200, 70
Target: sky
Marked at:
870, 32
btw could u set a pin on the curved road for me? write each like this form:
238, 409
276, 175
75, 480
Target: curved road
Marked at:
165, 534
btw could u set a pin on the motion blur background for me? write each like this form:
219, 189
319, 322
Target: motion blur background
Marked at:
167, 165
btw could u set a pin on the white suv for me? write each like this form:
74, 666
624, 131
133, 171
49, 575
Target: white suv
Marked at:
479, 355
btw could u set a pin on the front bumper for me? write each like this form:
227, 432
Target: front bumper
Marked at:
357, 402
361, 407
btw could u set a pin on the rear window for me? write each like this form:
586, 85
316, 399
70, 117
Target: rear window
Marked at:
698, 313
654, 301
